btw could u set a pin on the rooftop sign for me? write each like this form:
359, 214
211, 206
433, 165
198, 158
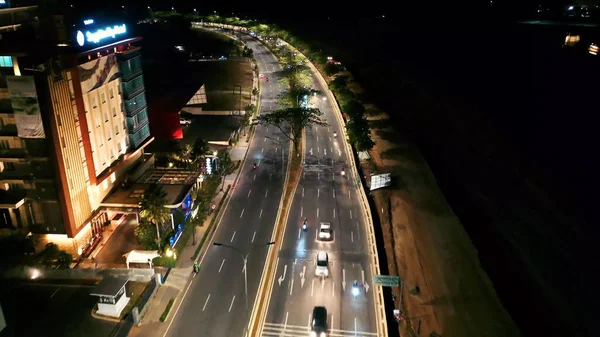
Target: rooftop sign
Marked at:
95, 37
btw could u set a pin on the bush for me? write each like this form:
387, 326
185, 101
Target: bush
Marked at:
145, 233
331, 69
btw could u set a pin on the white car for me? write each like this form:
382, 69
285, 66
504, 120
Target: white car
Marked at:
184, 121
322, 269
325, 233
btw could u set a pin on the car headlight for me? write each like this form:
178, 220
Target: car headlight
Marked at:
313, 334
323, 334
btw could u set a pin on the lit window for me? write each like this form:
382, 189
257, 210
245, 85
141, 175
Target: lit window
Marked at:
105, 184
6, 61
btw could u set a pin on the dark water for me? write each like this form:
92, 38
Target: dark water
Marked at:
507, 119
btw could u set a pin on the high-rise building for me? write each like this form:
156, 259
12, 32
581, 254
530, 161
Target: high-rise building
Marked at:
73, 121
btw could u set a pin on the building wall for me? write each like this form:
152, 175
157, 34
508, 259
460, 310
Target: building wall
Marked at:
101, 93
70, 154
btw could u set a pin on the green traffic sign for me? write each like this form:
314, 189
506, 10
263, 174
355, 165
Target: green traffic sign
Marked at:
386, 280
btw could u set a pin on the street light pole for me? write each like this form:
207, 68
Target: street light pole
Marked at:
245, 259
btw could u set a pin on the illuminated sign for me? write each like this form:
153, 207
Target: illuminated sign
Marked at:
88, 22
100, 34
208, 166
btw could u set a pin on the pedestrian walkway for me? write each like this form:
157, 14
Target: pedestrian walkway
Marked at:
89, 262
178, 278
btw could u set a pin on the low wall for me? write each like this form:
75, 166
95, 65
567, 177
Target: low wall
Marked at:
137, 275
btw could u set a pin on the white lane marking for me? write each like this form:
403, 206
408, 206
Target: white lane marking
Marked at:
301, 210
233, 299
266, 192
333, 193
332, 289
243, 269
54, 293
325, 151
317, 138
267, 129
312, 287
206, 302
350, 214
242, 214
291, 286
318, 149
352, 235
253, 236
249, 193
331, 150
317, 212
322, 285
357, 231
309, 320
318, 192
221, 267
275, 149
270, 176
286, 319
334, 213
254, 177
265, 139
355, 327
311, 151
299, 232
302, 192
348, 194
262, 150
232, 237
319, 175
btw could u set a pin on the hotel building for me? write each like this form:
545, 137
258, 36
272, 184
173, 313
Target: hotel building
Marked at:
73, 122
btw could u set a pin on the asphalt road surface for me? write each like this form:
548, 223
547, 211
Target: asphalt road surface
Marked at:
122, 241
214, 304
323, 195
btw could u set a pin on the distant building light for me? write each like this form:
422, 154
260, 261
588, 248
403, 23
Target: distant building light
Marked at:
88, 22
570, 8
593, 49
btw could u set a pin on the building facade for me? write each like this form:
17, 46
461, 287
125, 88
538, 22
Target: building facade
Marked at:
73, 122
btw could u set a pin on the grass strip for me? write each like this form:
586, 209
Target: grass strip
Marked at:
165, 313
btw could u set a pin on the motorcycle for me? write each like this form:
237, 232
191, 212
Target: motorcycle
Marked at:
254, 166
304, 225
335, 134
355, 289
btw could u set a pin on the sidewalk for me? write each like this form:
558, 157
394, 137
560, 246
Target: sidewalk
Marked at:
106, 234
179, 277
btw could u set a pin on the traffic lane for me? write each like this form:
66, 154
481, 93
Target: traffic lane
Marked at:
358, 312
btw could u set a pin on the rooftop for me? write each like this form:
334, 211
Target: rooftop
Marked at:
109, 286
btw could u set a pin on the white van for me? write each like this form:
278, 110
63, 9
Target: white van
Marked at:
322, 269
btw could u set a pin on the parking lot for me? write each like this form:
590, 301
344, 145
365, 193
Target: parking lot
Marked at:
50, 310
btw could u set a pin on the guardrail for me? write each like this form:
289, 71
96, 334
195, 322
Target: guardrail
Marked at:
382, 329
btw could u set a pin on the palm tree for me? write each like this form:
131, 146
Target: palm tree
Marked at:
225, 165
153, 207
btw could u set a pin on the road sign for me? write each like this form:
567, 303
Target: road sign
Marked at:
386, 280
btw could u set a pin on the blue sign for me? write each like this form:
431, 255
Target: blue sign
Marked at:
98, 36
173, 240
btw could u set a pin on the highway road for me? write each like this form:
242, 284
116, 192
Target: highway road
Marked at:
323, 195
214, 303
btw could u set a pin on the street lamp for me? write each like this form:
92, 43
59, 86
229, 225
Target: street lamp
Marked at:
282, 155
245, 259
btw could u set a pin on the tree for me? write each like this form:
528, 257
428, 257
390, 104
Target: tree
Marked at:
225, 165
153, 208
291, 121
353, 109
255, 91
63, 261
53, 257
146, 235
359, 133
331, 69
339, 82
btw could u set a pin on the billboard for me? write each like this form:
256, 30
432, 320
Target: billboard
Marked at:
96, 73
380, 181
24, 102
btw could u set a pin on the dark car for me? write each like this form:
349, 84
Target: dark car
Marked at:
319, 322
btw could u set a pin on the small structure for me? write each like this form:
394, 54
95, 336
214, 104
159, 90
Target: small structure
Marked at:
141, 256
112, 297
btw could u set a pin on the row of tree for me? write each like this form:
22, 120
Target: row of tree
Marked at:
292, 117
19, 250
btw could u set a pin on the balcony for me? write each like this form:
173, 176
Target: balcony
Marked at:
25, 175
12, 155
134, 105
9, 130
